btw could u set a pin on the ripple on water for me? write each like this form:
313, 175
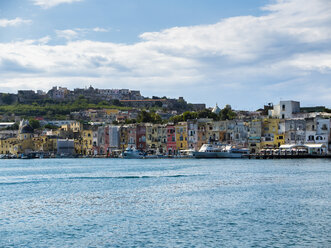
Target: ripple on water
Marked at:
164, 203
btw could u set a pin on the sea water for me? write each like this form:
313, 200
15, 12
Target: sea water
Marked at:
165, 203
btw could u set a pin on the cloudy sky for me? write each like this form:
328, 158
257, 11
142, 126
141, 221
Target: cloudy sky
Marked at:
245, 53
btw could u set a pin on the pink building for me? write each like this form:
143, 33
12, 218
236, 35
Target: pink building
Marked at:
131, 129
103, 140
141, 137
171, 140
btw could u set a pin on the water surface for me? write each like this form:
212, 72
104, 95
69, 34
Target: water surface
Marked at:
165, 203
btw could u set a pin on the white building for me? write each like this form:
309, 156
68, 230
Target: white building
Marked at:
285, 110
192, 134
114, 138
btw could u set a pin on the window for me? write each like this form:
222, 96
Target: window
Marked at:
283, 116
292, 136
283, 107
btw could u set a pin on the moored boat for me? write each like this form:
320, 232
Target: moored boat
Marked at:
219, 151
132, 152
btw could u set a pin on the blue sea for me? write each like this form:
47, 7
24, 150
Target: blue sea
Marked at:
165, 203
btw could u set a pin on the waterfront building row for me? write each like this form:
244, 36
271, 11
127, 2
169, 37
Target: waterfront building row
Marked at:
170, 138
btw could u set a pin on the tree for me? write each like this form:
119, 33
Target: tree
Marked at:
227, 114
7, 99
206, 113
50, 126
117, 102
189, 115
34, 123
144, 117
130, 121
13, 127
158, 104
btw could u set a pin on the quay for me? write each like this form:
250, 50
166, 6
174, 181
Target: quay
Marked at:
287, 156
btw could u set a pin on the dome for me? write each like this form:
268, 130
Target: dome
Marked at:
216, 110
26, 129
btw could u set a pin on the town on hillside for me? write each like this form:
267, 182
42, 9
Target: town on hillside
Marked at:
105, 123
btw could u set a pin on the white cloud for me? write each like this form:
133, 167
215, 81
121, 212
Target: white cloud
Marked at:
13, 22
52, 3
71, 34
67, 34
97, 29
284, 52
44, 40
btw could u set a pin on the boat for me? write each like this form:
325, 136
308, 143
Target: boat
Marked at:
185, 153
132, 152
220, 151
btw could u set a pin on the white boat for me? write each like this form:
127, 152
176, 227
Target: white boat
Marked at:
219, 151
132, 152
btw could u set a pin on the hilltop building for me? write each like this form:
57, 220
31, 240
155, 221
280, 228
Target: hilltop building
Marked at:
285, 109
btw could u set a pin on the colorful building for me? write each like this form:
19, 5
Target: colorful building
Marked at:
171, 140
181, 136
141, 137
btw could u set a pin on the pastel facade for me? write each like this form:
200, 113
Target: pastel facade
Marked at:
295, 131
181, 136
114, 137
171, 140
272, 136
192, 135
202, 132
141, 137
123, 137
255, 135
87, 142
156, 138
132, 135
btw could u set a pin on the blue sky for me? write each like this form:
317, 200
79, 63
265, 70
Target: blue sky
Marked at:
245, 53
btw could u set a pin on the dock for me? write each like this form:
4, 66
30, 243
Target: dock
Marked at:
287, 156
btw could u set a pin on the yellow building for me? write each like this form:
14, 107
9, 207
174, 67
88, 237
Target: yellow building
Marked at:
9, 146
150, 131
156, 137
45, 144
78, 146
87, 142
25, 139
74, 126
181, 136
271, 136
123, 137
202, 134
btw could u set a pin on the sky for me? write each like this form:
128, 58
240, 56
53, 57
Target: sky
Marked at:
242, 53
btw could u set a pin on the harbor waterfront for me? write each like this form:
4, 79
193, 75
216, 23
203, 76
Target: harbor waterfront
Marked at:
165, 203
